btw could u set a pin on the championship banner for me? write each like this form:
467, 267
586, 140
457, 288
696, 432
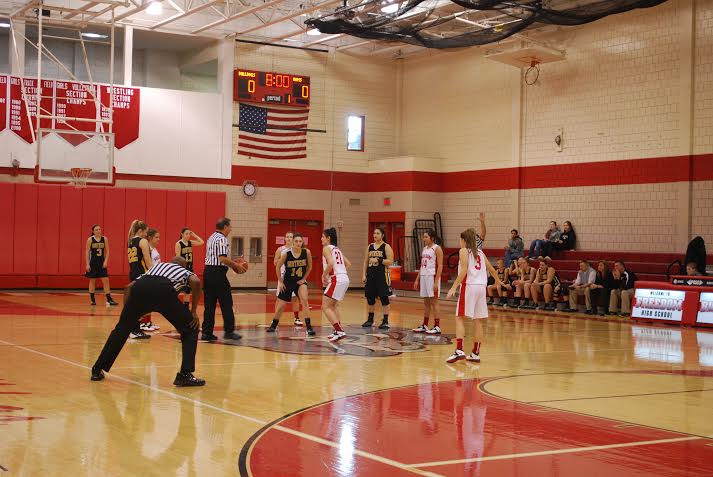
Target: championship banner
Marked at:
3, 102
74, 100
658, 304
19, 122
126, 104
705, 309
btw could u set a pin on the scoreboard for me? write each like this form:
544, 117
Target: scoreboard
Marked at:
277, 88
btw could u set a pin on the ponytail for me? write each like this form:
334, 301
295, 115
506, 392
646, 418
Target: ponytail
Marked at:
136, 225
331, 233
468, 236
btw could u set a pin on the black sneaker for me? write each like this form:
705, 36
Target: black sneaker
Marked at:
271, 329
208, 337
97, 374
110, 301
490, 301
626, 314
384, 325
590, 312
187, 379
231, 336
569, 310
93, 303
139, 335
367, 324
310, 331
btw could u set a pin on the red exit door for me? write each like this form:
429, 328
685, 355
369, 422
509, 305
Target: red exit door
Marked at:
306, 222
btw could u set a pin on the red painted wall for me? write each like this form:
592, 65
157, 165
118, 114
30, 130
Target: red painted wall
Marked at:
49, 226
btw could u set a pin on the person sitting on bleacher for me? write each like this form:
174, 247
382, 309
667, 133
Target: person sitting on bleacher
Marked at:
503, 289
692, 270
536, 246
566, 241
546, 285
624, 281
515, 247
582, 285
522, 284
603, 285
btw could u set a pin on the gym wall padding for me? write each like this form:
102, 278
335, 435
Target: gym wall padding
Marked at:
49, 226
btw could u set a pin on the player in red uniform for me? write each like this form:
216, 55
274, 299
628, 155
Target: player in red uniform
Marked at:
335, 280
428, 281
473, 268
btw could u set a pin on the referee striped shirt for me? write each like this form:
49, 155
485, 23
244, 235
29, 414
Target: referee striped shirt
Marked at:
216, 247
177, 275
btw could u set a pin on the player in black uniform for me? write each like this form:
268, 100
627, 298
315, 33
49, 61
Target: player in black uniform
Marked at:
502, 289
298, 265
376, 278
139, 256
184, 246
97, 258
184, 249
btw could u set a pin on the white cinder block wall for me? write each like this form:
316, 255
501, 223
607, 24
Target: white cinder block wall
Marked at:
634, 86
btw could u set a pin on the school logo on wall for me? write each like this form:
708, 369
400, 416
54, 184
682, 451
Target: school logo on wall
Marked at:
358, 342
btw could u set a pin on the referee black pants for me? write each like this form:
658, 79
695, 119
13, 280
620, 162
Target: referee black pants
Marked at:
216, 288
147, 295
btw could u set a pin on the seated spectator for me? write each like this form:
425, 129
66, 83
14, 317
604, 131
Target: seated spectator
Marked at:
566, 241
582, 285
623, 291
525, 276
692, 270
545, 285
603, 285
552, 235
500, 290
515, 247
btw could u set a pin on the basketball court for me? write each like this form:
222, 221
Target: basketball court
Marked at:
441, 126
555, 395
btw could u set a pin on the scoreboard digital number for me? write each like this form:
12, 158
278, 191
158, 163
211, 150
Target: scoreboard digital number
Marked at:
277, 88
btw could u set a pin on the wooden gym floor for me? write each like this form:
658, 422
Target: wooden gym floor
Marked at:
555, 395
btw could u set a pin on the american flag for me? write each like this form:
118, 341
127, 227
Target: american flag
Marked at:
268, 133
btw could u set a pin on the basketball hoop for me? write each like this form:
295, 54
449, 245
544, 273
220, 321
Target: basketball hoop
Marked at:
80, 176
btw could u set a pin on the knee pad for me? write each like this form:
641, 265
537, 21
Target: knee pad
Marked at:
384, 300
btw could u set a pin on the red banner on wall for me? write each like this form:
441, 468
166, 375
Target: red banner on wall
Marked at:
75, 100
126, 104
3, 102
19, 122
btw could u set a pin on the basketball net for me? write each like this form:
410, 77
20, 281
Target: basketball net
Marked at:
80, 176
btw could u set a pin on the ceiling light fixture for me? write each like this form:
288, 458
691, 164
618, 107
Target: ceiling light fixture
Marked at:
155, 8
314, 32
4, 24
393, 8
94, 35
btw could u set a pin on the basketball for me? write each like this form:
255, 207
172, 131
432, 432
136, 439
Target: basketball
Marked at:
241, 266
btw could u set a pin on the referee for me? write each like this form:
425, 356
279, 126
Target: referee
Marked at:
157, 290
216, 286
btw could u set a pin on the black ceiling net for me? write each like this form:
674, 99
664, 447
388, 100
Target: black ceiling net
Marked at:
461, 23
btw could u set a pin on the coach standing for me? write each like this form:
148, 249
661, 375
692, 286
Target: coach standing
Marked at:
216, 286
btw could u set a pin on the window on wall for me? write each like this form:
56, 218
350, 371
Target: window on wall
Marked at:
355, 133
236, 248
